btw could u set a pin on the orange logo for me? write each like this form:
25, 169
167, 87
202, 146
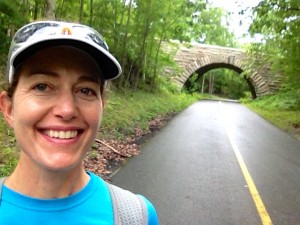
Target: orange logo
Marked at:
66, 31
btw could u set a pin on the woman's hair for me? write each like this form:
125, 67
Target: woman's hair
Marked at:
11, 87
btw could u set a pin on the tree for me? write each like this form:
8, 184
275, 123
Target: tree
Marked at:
9, 18
50, 9
212, 28
278, 22
134, 29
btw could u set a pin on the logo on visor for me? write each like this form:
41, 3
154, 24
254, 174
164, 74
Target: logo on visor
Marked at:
66, 31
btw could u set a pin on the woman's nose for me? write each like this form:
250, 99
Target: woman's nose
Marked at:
65, 106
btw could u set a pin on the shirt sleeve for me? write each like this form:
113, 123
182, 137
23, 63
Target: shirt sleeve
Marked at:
152, 215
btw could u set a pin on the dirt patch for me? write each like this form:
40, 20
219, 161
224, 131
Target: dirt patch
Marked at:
107, 155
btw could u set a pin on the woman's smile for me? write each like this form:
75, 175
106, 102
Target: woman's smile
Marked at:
61, 134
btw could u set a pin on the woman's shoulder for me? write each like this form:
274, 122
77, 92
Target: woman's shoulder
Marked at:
152, 214
125, 200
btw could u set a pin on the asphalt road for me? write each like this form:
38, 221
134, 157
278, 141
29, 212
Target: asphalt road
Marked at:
191, 173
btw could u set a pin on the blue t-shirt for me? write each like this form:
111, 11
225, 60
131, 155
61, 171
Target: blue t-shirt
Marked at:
91, 205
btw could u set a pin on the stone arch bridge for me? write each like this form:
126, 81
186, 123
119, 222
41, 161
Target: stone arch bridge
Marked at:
200, 58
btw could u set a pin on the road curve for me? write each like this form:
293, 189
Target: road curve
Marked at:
190, 169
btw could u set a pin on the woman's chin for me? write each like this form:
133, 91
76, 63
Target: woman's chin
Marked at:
61, 165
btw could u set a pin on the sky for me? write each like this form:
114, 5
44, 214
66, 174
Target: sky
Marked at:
234, 6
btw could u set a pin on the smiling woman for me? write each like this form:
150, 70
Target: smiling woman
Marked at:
50, 90
54, 104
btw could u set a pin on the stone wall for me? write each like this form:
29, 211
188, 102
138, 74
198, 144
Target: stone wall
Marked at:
201, 58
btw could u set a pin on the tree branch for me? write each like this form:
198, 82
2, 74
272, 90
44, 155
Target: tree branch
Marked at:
111, 148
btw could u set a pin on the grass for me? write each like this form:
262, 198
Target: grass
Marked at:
282, 109
8, 152
124, 112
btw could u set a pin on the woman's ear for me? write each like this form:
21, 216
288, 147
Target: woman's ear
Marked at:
6, 107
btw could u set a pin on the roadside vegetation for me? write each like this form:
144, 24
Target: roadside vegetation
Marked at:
281, 109
8, 152
127, 111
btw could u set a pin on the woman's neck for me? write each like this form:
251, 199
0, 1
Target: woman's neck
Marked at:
36, 182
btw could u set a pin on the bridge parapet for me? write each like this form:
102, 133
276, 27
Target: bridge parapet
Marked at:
200, 58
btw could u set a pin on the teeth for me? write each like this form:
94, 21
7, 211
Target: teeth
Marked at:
61, 134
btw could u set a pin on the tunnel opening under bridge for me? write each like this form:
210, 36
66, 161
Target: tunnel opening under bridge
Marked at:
200, 79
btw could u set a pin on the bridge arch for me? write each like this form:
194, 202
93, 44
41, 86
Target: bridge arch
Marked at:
222, 65
200, 58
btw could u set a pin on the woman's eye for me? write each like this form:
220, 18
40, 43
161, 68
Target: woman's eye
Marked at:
40, 87
87, 91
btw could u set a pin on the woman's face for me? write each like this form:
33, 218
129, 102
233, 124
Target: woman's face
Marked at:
56, 108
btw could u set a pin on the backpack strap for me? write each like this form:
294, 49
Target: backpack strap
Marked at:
1, 184
128, 208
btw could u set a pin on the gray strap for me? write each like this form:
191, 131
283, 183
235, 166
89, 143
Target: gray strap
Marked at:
114, 205
129, 209
144, 210
1, 184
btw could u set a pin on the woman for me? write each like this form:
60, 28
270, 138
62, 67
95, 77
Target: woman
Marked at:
54, 103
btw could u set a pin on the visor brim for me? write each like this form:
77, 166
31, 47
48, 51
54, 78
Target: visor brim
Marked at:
107, 63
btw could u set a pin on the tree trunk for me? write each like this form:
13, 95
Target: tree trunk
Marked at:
24, 7
91, 12
81, 11
50, 9
156, 62
203, 82
124, 43
36, 10
118, 35
156, 56
60, 9
116, 31
211, 84
141, 56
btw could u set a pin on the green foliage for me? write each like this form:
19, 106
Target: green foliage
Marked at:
282, 109
211, 29
277, 21
8, 16
134, 29
282, 101
247, 98
221, 82
8, 154
126, 111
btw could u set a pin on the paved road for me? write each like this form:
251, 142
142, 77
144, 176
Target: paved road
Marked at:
190, 171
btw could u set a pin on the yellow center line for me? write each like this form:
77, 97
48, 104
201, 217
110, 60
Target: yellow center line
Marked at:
264, 216
261, 209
